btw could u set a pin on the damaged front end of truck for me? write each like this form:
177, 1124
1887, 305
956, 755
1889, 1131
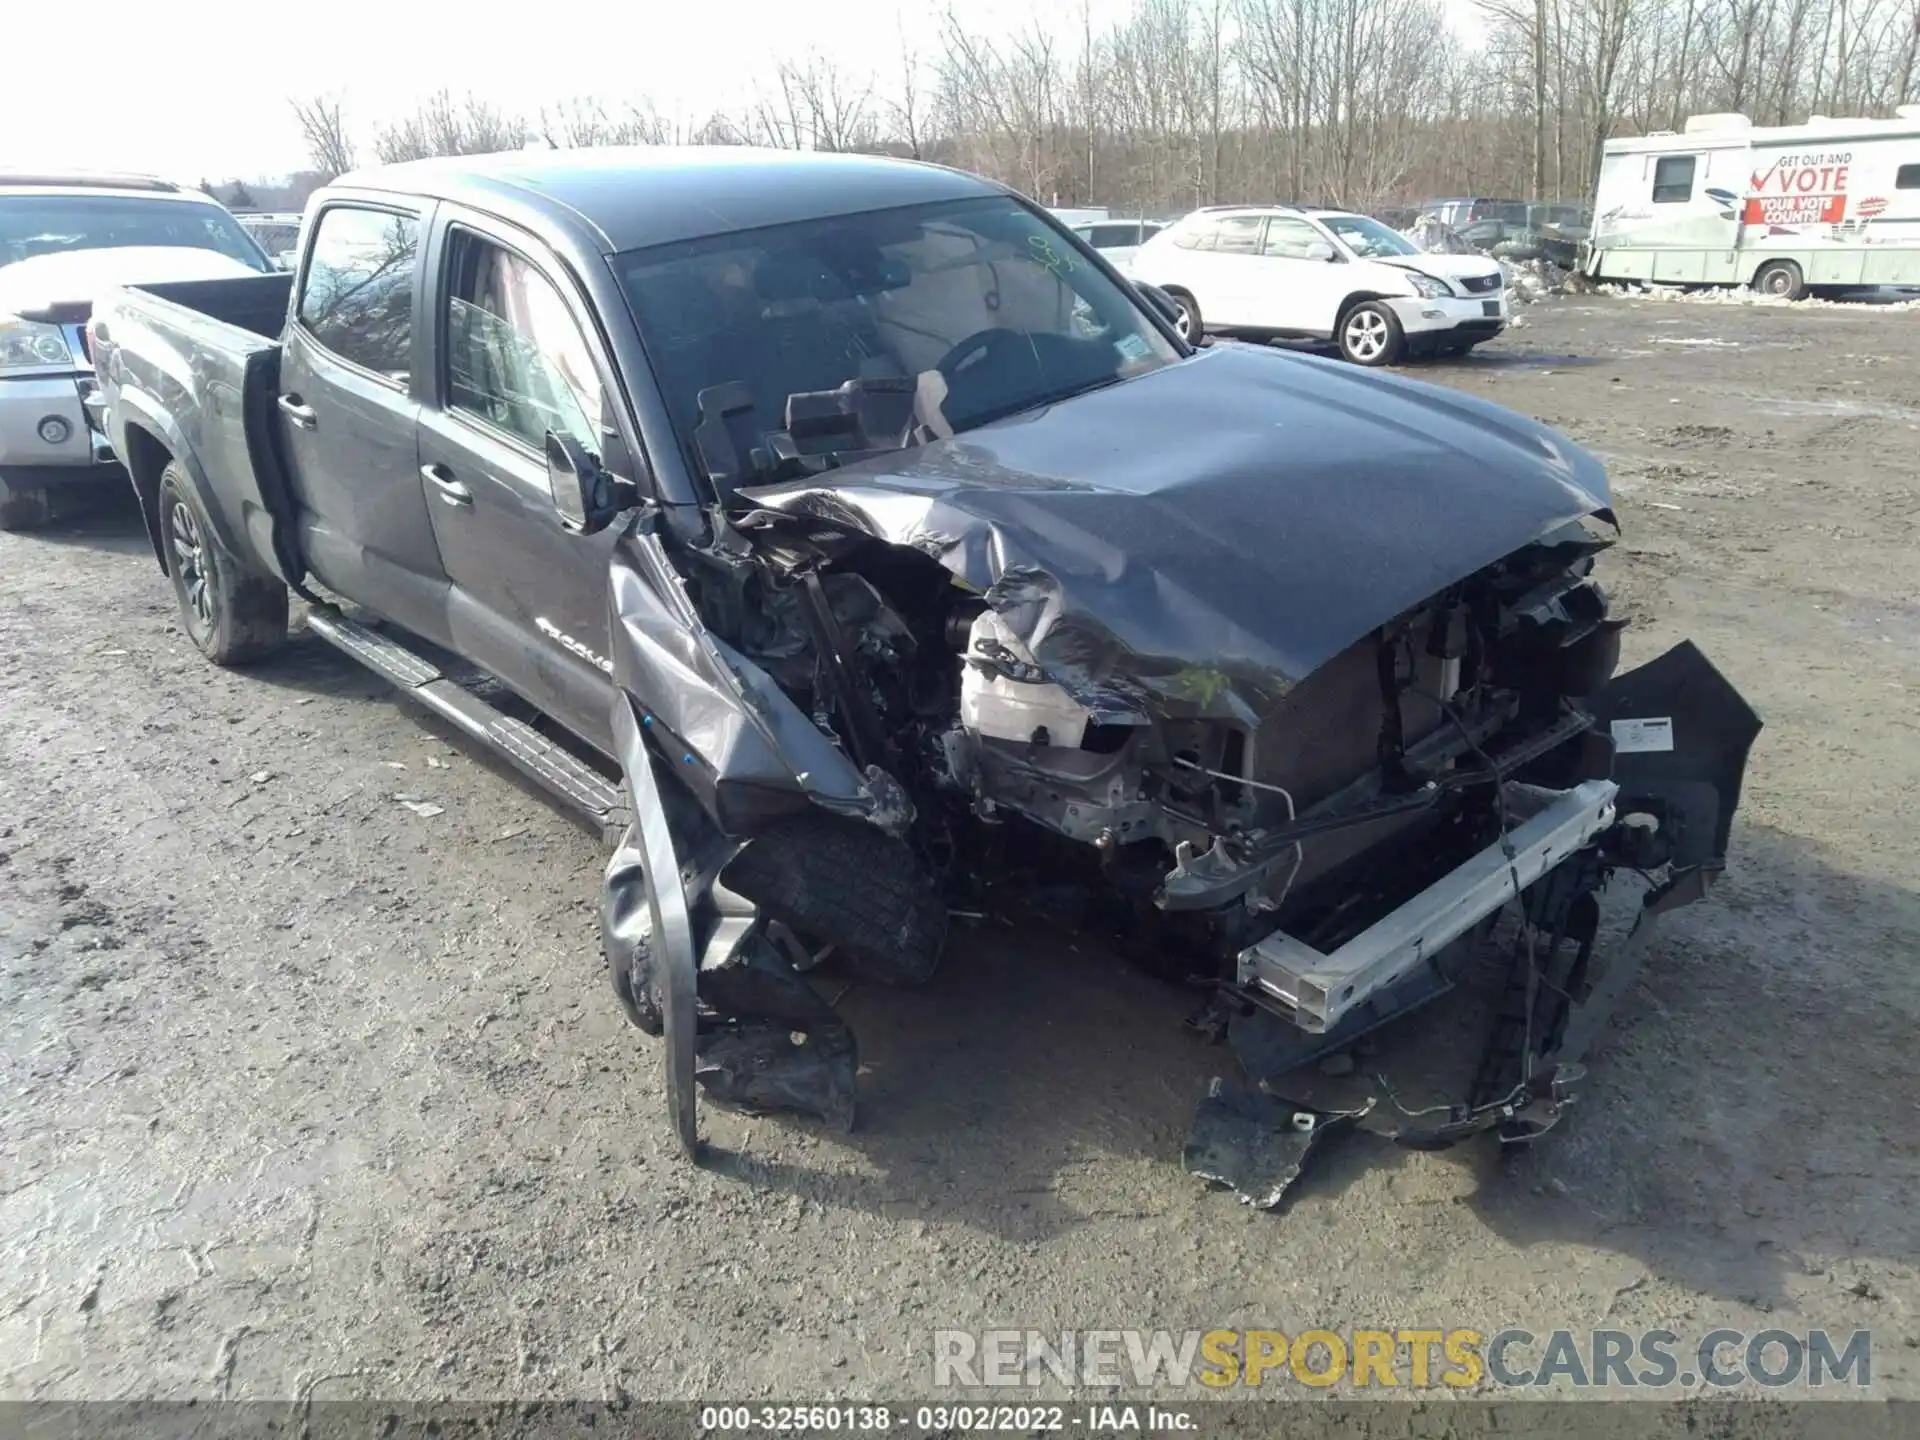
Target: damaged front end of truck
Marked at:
1319, 701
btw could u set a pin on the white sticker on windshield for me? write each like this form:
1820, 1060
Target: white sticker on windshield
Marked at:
1131, 347
1632, 737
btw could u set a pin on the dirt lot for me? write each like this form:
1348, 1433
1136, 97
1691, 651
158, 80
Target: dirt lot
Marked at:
308, 1093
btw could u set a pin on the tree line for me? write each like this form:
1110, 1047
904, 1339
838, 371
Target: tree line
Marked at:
1186, 102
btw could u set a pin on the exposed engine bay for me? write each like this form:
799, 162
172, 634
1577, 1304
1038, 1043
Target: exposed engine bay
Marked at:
921, 680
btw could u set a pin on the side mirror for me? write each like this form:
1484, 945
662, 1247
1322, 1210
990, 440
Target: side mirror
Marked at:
1320, 250
1159, 300
587, 497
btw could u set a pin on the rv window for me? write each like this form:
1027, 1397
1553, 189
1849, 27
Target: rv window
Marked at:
1673, 179
1907, 178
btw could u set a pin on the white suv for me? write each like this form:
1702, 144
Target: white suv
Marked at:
65, 238
1285, 272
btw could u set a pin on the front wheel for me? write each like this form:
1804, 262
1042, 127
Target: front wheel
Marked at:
232, 613
1781, 278
1370, 334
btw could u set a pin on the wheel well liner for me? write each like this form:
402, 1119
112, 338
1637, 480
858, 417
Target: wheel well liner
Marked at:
147, 456
1358, 297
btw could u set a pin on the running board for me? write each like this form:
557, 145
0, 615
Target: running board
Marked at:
548, 765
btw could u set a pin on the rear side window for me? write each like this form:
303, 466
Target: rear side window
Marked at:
1907, 178
1673, 179
1241, 234
1196, 234
356, 297
515, 357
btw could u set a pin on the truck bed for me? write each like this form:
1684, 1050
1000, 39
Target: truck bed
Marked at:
254, 303
177, 349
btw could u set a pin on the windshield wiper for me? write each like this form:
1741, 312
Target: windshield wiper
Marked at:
1037, 402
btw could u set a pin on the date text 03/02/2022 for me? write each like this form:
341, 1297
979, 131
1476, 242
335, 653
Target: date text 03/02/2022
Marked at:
865, 1420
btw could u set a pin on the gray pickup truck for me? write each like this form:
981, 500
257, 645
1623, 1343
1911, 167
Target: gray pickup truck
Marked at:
895, 553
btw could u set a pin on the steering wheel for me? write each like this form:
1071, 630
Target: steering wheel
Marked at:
980, 346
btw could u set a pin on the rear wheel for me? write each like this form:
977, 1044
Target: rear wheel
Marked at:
24, 507
1781, 278
233, 613
1189, 322
1370, 334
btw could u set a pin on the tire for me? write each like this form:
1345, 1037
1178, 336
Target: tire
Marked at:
1191, 325
233, 613
847, 884
1781, 278
1370, 335
24, 507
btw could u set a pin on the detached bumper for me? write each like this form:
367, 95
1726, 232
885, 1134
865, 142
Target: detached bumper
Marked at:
1680, 735
1319, 990
46, 434
1454, 317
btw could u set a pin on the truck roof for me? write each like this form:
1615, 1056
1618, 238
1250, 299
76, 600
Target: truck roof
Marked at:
630, 197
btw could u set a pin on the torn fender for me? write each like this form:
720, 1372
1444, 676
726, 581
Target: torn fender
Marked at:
1196, 540
647, 924
744, 750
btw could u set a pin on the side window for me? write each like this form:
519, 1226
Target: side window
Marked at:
1240, 234
1289, 239
1673, 179
515, 357
1105, 237
1907, 178
356, 298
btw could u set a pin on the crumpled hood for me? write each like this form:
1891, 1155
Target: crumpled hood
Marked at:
78, 277
1447, 266
1215, 530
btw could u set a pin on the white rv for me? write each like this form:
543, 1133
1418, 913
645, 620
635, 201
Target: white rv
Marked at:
1832, 204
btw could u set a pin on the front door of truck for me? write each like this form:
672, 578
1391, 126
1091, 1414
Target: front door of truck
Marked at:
349, 415
516, 356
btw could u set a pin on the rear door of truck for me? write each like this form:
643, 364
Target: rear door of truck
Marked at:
349, 384
516, 352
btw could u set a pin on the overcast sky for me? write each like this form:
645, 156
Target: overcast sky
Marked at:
192, 88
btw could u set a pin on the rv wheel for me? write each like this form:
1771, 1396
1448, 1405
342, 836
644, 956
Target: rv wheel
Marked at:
1782, 278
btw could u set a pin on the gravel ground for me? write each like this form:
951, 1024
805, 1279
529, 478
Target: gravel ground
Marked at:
307, 1093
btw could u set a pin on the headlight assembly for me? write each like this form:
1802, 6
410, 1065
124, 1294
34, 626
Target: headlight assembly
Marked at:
31, 345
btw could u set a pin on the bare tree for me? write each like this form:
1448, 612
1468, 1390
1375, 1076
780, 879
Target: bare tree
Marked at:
323, 128
1173, 103
573, 124
909, 107
445, 126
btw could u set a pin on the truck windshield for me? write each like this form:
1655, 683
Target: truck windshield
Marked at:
32, 225
990, 308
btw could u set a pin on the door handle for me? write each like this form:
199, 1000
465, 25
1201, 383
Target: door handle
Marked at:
300, 415
451, 490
